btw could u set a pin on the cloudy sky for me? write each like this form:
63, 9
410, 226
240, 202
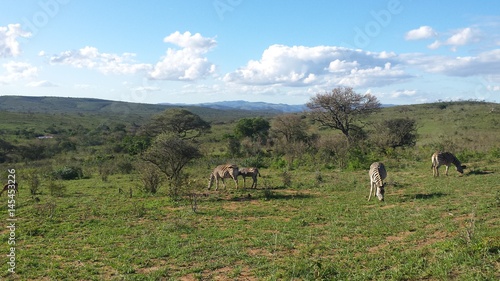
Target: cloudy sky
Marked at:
280, 51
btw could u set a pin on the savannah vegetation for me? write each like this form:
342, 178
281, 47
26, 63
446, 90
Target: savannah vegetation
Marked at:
112, 197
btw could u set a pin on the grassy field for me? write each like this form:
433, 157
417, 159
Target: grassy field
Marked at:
315, 225
321, 227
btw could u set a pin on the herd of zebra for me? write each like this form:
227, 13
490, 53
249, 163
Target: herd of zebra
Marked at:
377, 173
232, 171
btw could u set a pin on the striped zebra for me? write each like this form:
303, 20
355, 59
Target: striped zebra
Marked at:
445, 158
221, 172
377, 175
249, 172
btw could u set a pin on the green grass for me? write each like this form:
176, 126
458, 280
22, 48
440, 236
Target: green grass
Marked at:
428, 228
319, 226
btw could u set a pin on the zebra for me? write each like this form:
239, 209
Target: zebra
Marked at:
249, 172
377, 175
221, 172
445, 158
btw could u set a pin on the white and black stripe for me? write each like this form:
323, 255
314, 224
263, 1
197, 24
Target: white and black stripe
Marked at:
249, 172
446, 159
221, 172
377, 175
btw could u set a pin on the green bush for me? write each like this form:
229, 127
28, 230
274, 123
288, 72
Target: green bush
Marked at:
68, 173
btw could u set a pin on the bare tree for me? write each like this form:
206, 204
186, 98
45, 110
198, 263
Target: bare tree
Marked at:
340, 108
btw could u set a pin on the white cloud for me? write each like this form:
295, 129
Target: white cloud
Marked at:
188, 63
17, 71
320, 65
485, 63
186, 40
494, 88
9, 46
42, 83
458, 38
462, 37
147, 89
90, 57
423, 32
403, 93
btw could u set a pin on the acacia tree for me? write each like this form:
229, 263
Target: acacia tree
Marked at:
181, 122
340, 108
171, 154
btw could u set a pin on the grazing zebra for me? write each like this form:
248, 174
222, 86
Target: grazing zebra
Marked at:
377, 176
445, 158
6, 188
249, 172
221, 172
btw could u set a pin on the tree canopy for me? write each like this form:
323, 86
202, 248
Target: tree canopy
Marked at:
252, 127
181, 122
341, 108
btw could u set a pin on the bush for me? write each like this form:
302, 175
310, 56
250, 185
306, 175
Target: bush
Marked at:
151, 178
57, 189
68, 173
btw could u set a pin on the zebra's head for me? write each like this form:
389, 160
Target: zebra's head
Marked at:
460, 168
235, 169
380, 192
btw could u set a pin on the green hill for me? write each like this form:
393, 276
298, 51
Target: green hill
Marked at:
126, 111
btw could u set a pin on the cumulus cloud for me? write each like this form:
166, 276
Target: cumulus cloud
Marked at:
90, 57
186, 40
423, 32
306, 66
460, 37
403, 93
9, 46
485, 63
42, 83
188, 63
17, 71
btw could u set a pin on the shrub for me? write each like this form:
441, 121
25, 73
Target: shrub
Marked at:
151, 178
68, 173
57, 189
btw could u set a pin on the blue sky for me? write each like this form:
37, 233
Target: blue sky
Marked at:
191, 51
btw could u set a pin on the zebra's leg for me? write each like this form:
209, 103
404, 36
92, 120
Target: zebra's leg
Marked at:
447, 169
236, 182
244, 181
371, 190
254, 184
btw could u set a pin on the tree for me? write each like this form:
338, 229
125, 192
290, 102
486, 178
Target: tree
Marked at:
171, 154
255, 128
183, 123
399, 132
340, 108
292, 127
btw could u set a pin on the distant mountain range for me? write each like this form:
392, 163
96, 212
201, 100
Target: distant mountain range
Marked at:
212, 112
246, 105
